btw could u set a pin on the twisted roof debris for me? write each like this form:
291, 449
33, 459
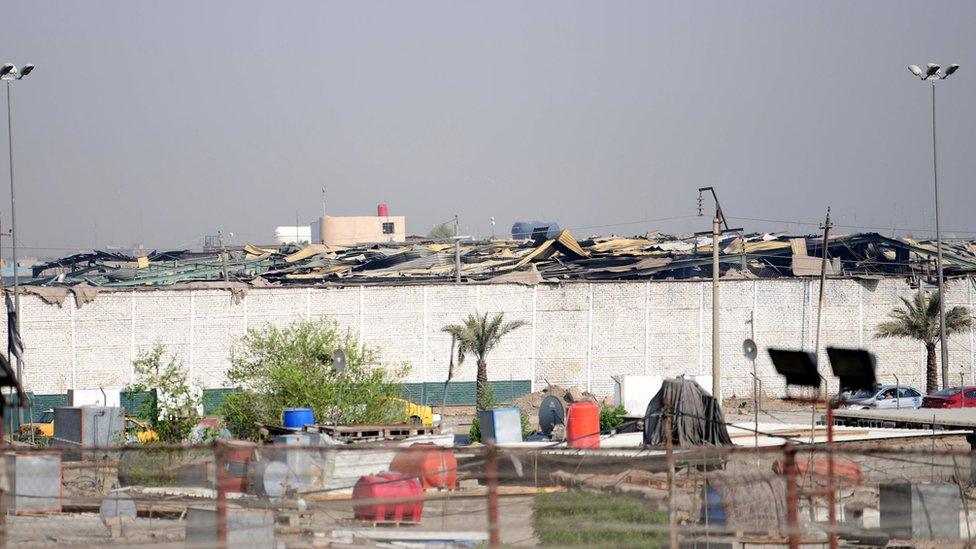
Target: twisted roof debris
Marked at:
563, 258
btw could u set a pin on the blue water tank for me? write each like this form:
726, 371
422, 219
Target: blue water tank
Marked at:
297, 418
524, 229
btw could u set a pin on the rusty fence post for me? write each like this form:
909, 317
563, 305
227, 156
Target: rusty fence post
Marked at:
221, 481
491, 468
669, 449
831, 481
789, 466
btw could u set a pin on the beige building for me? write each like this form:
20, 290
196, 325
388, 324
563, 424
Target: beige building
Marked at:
359, 229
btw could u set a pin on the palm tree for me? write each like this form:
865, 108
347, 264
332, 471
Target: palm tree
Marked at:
478, 335
919, 319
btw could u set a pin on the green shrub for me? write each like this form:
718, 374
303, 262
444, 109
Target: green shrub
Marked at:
278, 368
595, 519
611, 418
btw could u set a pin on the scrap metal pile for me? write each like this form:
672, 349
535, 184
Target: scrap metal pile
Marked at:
563, 258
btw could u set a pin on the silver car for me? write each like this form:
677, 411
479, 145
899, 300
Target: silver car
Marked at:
884, 397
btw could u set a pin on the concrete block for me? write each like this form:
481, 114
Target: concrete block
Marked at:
250, 528
920, 511
33, 483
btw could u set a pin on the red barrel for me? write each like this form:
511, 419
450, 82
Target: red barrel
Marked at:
237, 454
583, 425
382, 210
436, 467
388, 497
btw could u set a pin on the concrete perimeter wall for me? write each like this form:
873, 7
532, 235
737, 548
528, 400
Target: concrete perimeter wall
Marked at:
580, 333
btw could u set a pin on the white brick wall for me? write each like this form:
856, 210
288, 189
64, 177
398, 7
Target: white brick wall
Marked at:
580, 333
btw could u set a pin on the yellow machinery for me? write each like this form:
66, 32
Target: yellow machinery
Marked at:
417, 413
43, 426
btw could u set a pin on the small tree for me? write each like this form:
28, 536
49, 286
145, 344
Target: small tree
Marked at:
919, 319
292, 367
172, 405
440, 232
479, 335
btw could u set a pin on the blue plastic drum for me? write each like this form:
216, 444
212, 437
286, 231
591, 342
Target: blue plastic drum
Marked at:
297, 418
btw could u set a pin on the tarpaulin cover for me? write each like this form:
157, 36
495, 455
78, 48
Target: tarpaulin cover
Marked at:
696, 417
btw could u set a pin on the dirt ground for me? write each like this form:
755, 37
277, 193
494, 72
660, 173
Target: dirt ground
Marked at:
87, 530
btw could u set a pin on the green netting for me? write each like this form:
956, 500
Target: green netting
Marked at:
133, 401
213, 398
462, 393
44, 402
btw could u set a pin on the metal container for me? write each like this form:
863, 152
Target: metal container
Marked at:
88, 427
501, 425
33, 482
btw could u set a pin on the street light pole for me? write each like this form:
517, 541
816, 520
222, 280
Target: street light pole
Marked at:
933, 74
9, 73
943, 347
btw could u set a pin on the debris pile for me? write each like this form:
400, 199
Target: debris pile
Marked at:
531, 261
532, 402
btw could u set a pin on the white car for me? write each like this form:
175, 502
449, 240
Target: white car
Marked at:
883, 398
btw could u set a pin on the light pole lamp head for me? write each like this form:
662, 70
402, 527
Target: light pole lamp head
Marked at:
25, 70
932, 69
951, 69
916, 70
6, 69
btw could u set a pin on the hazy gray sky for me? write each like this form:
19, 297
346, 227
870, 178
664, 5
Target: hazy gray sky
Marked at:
159, 122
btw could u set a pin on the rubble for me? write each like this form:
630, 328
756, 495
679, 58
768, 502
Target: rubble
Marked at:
532, 402
528, 262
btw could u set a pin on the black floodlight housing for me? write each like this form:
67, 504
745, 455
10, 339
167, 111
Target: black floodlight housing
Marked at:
854, 367
798, 367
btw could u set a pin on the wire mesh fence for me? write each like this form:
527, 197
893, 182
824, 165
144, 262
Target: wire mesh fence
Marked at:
301, 492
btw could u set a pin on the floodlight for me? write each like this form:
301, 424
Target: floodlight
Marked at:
951, 69
798, 367
932, 69
916, 70
25, 70
854, 367
7, 67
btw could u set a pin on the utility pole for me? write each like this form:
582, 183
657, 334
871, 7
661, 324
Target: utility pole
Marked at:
717, 223
716, 365
823, 279
223, 256
457, 251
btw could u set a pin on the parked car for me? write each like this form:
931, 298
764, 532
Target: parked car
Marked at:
884, 397
953, 397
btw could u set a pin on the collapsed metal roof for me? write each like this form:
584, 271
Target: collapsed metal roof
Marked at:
563, 258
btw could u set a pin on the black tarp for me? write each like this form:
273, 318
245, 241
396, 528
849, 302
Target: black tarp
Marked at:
696, 417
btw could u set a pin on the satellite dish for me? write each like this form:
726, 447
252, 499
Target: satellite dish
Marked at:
339, 360
551, 413
749, 349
